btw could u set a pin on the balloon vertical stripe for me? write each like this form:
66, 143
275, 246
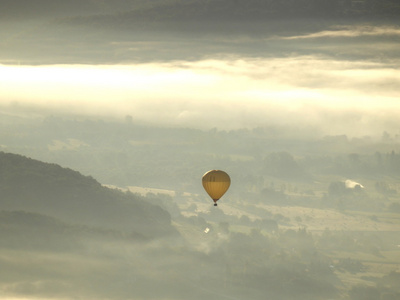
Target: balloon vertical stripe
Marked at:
216, 183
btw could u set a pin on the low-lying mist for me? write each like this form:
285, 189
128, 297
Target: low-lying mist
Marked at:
351, 97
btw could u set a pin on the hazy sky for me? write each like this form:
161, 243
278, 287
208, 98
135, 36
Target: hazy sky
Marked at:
354, 97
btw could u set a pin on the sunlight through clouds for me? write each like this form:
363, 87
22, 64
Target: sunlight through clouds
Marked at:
211, 93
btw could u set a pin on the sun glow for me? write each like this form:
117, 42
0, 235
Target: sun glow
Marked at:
227, 94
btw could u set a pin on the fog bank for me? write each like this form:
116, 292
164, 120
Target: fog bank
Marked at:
356, 97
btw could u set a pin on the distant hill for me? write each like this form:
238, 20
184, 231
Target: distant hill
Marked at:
32, 186
200, 10
100, 31
26, 9
235, 15
263, 10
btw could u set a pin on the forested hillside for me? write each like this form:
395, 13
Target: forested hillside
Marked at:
228, 16
178, 10
262, 10
33, 186
103, 32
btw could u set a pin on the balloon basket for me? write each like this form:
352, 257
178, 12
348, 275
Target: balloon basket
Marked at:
215, 204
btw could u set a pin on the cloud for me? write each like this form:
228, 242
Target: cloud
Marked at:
351, 32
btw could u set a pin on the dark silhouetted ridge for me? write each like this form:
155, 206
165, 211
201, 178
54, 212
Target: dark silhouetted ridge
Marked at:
33, 186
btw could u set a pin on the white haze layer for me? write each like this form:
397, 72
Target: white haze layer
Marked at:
351, 97
352, 31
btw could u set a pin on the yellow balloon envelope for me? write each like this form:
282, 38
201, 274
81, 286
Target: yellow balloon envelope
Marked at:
216, 183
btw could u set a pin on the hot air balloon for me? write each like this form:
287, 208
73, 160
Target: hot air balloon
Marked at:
216, 183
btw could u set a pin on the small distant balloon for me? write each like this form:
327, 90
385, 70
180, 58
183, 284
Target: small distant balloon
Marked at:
216, 183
